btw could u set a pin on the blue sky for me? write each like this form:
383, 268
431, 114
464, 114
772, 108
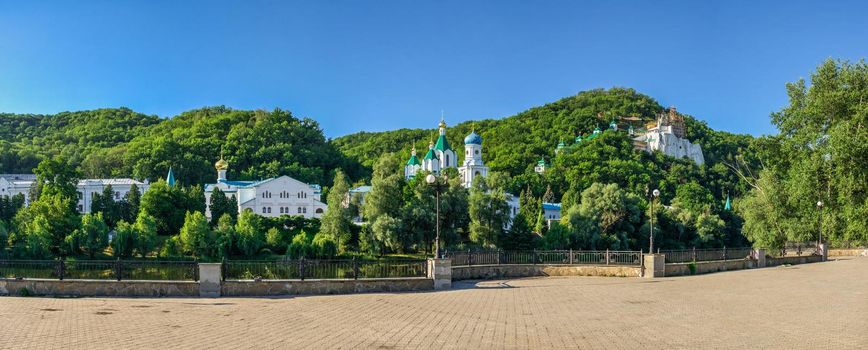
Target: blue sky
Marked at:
381, 65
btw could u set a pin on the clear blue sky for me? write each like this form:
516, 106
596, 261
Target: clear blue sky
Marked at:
380, 65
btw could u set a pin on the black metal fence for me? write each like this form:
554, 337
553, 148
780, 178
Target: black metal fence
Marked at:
302, 269
101, 270
797, 249
563, 257
694, 255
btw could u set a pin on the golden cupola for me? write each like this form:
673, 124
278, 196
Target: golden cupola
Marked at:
221, 164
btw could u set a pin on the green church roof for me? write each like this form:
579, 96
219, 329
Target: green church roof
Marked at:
430, 155
442, 144
413, 160
170, 178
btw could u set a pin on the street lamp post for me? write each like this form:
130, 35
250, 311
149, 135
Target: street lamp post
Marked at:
655, 194
432, 180
820, 220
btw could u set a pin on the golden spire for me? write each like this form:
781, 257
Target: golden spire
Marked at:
221, 164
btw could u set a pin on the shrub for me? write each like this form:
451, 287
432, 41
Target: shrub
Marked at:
249, 235
275, 239
324, 246
171, 248
123, 241
300, 246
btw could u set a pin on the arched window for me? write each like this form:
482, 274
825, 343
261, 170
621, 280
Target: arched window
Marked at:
447, 161
319, 210
299, 210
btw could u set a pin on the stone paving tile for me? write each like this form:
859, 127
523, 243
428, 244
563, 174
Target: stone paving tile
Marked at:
821, 305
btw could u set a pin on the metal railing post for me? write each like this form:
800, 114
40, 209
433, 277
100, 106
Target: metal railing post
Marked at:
724, 253
118, 268
499, 253
355, 268
694, 254
534, 256
469, 257
301, 268
571, 256
61, 267
607, 256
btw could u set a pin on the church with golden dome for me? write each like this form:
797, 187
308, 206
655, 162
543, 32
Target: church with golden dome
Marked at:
271, 197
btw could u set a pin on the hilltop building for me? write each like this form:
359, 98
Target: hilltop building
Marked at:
541, 166
272, 197
473, 165
667, 136
14, 184
440, 156
413, 165
551, 212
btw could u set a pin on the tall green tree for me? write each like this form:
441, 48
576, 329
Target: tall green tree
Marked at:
224, 236
10, 205
519, 236
146, 234
55, 177
220, 205
819, 156
195, 234
385, 200
131, 204
489, 214
94, 232
124, 240
168, 205
250, 236
607, 217
53, 219
106, 204
337, 219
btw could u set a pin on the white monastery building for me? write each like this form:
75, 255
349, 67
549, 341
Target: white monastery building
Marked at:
272, 197
667, 136
13, 184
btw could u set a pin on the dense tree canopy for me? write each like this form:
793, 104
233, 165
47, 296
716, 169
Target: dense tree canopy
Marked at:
820, 155
603, 183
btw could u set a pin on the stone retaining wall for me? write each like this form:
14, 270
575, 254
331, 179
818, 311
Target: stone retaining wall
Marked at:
701, 267
102, 288
848, 252
318, 287
793, 260
512, 271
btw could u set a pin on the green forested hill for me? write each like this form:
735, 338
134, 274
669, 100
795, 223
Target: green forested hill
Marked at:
513, 145
28, 138
120, 142
259, 144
